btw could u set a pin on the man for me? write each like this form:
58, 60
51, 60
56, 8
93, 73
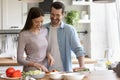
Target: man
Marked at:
62, 40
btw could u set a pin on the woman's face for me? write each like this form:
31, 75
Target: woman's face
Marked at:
37, 22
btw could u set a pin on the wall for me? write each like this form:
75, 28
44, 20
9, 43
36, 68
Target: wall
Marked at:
98, 31
113, 31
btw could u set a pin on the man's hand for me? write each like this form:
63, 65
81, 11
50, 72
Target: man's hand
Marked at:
77, 69
81, 61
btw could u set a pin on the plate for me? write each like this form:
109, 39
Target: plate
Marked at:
56, 75
37, 76
9, 78
73, 76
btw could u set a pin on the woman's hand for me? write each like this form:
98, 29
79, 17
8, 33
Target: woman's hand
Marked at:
40, 67
51, 61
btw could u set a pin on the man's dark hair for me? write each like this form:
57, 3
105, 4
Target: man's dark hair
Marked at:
58, 5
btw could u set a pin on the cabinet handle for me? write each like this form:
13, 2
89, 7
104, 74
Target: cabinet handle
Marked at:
14, 26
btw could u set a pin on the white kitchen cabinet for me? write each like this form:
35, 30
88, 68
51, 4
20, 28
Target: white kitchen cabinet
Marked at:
14, 14
84, 7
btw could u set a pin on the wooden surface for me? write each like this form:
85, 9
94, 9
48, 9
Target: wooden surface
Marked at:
9, 62
87, 61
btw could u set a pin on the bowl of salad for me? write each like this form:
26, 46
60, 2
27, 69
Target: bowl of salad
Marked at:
35, 74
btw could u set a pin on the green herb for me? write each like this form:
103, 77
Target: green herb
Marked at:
72, 17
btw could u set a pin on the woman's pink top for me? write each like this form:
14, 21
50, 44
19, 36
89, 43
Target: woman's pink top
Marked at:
34, 46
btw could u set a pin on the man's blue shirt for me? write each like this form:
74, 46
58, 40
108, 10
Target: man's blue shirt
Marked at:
68, 41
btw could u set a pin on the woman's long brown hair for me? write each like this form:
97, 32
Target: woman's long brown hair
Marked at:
33, 13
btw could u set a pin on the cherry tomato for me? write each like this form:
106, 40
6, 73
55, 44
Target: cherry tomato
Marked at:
17, 73
10, 71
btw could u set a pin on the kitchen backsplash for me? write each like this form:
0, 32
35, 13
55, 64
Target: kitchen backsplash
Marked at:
8, 45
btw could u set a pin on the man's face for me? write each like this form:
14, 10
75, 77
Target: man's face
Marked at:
56, 16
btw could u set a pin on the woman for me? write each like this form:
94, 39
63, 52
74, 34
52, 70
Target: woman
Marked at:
33, 40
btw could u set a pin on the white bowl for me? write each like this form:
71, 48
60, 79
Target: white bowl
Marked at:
37, 76
56, 75
73, 76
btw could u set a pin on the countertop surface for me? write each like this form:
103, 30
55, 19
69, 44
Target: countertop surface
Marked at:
93, 75
7, 61
87, 61
97, 75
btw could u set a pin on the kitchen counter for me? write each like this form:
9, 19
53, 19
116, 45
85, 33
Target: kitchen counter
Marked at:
87, 61
8, 62
94, 75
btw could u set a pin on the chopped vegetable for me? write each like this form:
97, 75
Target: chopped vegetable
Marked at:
32, 72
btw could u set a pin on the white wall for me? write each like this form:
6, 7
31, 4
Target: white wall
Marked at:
98, 31
113, 32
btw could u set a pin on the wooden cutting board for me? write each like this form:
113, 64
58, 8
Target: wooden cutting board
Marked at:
7, 61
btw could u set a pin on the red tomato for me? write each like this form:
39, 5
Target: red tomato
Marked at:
17, 73
10, 71
54, 70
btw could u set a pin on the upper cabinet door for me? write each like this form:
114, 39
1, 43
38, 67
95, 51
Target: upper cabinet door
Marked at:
14, 14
